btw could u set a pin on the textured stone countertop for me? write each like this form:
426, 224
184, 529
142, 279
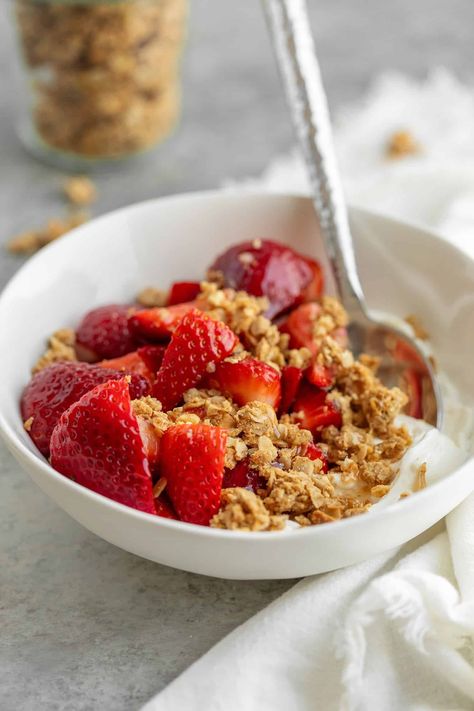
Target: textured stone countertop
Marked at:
86, 625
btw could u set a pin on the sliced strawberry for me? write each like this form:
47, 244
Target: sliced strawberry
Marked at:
300, 326
151, 442
412, 384
158, 323
153, 357
320, 375
404, 353
247, 380
104, 333
199, 343
243, 476
164, 508
316, 410
291, 378
183, 291
266, 268
315, 288
51, 391
314, 452
97, 443
145, 361
192, 462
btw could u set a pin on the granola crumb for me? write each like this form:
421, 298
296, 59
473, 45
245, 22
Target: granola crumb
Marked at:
31, 241
80, 190
60, 347
151, 297
28, 424
420, 481
245, 511
418, 329
405, 495
149, 409
379, 490
401, 144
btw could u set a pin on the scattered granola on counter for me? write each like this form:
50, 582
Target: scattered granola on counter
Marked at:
402, 144
80, 190
31, 241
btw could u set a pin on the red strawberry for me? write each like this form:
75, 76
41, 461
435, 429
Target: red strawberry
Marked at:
320, 375
248, 379
241, 475
412, 385
158, 323
314, 452
164, 508
104, 333
300, 326
97, 443
316, 409
198, 343
412, 376
192, 462
51, 391
182, 291
291, 378
145, 361
153, 357
265, 268
315, 288
151, 442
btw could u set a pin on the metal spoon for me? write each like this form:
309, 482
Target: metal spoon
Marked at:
400, 356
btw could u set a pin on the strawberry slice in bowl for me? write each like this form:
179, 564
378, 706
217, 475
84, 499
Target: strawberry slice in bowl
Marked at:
266, 268
192, 462
145, 361
97, 443
197, 346
315, 410
104, 333
247, 380
160, 322
51, 391
291, 378
183, 291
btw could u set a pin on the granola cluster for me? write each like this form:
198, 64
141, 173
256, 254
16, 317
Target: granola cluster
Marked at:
244, 314
105, 74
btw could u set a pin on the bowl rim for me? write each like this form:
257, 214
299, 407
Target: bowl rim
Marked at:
37, 461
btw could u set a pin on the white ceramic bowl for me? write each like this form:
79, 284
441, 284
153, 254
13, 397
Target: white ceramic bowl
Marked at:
403, 270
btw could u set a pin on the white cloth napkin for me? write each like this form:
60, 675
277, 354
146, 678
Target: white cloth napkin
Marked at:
396, 632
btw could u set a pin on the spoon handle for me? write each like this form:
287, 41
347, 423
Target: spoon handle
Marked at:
294, 47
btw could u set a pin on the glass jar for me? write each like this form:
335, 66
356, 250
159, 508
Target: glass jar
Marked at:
103, 76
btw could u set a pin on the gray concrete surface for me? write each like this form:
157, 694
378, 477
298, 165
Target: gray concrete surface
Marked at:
83, 624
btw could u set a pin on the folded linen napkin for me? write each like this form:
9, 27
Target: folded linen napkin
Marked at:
395, 632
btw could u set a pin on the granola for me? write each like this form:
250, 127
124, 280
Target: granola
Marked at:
105, 74
31, 241
402, 144
243, 424
60, 347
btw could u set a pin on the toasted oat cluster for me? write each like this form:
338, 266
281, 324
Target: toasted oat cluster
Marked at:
233, 418
105, 74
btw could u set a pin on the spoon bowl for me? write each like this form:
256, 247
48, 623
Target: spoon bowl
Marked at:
401, 361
